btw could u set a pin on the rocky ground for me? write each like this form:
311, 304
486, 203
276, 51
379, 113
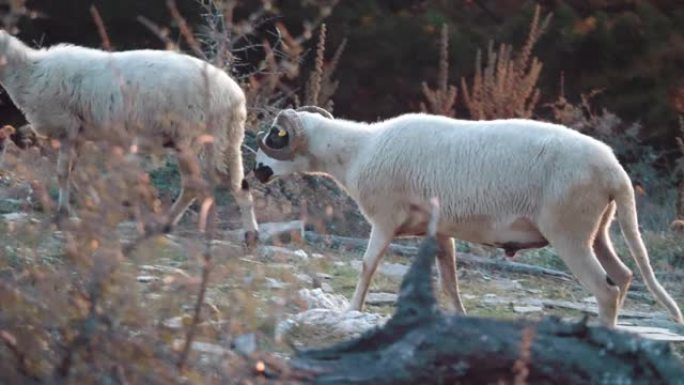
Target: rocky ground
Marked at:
295, 294
291, 293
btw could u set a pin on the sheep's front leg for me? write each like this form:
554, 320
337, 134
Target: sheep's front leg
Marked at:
446, 264
379, 240
192, 186
239, 187
65, 163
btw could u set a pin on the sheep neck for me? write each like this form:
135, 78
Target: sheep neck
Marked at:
335, 146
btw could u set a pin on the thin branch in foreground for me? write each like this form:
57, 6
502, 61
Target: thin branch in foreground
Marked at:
192, 329
22, 361
208, 227
521, 368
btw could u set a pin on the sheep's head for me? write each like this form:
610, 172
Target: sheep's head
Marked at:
283, 147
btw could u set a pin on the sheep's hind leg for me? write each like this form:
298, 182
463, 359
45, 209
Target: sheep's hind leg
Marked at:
572, 243
617, 271
192, 186
239, 188
66, 158
379, 240
446, 264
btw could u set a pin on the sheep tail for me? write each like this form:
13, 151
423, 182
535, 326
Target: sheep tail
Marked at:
627, 218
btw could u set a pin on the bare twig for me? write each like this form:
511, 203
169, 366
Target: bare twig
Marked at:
101, 30
161, 33
185, 29
192, 329
207, 225
22, 361
120, 375
521, 366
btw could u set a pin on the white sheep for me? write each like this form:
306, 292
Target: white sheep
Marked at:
514, 184
154, 99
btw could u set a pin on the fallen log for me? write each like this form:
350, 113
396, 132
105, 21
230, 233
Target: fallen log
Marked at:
422, 345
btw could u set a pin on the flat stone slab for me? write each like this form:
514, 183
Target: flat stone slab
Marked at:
527, 308
388, 269
381, 299
653, 333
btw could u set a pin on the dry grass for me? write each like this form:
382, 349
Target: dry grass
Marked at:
680, 172
441, 101
321, 87
77, 306
506, 86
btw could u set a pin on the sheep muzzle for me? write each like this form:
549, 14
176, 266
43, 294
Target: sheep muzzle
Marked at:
263, 173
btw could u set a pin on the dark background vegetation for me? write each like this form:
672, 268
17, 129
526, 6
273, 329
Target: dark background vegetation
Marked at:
631, 50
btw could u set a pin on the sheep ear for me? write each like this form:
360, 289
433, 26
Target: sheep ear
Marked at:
316, 110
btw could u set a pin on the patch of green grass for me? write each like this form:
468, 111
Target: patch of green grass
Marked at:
344, 279
166, 179
543, 257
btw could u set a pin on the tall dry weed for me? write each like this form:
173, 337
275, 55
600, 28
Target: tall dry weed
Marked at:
506, 86
441, 100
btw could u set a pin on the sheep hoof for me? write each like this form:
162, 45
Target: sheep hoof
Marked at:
167, 228
155, 227
65, 217
251, 239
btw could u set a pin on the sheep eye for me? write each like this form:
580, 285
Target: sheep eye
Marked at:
277, 138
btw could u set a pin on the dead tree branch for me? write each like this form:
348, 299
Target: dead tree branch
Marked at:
101, 30
421, 345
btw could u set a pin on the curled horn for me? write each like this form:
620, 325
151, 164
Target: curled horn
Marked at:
316, 110
289, 121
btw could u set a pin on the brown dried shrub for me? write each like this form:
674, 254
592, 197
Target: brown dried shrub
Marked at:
506, 86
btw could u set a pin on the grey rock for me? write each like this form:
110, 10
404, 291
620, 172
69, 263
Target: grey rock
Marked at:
326, 287
277, 252
322, 327
381, 299
13, 217
273, 283
8, 206
319, 299
527, 309
507, 284
146, 278
391, 270
245, 343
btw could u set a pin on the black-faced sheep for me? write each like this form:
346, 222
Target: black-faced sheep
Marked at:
156, 100
514, 184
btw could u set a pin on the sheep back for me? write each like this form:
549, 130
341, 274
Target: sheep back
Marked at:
75, 91
497, 168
